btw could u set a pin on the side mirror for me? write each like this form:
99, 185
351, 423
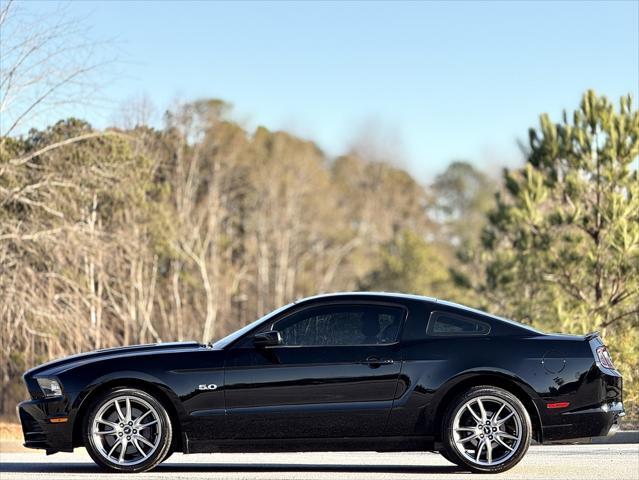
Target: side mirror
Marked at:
267, 339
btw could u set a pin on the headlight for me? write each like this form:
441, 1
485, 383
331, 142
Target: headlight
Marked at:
50, 387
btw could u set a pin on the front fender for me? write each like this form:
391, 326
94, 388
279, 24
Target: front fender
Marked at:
81, 401
133, 378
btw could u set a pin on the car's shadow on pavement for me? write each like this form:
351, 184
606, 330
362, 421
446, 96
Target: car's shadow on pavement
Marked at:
306, 467
19, 467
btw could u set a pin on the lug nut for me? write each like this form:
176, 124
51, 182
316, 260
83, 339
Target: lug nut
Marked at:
494, 429
122, 424
130, 423
128, 437
490, 437
482, 435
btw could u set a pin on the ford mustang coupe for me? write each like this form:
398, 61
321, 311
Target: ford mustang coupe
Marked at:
349, 371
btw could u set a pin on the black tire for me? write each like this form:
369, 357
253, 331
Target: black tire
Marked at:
484, 403
444, 454
161, 432
168, 454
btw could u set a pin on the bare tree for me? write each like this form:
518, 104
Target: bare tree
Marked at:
135, 111
45, 63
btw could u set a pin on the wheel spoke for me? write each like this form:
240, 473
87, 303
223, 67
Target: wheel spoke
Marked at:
152, 422
496, 416
489, 450
507, 435
501, 422
119, 410
467, 439
475, 416
465, 429
104, 422
503, 444
123, 451
137, 445
482, 410
142, 439
480, 447
110, 432
139, 419
115, 445
128, 409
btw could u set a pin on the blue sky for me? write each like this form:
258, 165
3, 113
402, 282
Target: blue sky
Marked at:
430, 81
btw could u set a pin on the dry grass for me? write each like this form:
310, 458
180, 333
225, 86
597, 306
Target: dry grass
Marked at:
11, 437
10, 431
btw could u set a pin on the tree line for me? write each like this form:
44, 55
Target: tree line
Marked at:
194, 229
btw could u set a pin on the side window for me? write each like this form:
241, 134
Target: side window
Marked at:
341, 325
444, 323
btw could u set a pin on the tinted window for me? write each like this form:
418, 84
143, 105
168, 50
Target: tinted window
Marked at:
341, 325
442, 323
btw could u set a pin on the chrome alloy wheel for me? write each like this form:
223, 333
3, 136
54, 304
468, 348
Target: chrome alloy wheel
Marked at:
126, 430
487, 430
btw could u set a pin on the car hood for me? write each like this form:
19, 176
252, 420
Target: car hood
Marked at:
59, 365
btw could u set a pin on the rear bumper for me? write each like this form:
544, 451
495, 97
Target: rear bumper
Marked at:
593, 422
38, 429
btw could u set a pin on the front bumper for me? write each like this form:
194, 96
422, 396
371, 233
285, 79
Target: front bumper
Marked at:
38, 429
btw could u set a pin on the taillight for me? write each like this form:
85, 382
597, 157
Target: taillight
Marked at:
604, 358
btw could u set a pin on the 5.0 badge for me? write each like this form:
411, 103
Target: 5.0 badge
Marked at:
210, 386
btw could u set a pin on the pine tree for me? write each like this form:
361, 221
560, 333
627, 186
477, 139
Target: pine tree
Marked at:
562, 244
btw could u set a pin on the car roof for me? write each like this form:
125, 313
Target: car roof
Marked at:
367, 294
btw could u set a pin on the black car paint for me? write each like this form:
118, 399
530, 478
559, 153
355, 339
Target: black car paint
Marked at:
382, 397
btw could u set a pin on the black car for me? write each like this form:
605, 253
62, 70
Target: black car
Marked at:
351, 371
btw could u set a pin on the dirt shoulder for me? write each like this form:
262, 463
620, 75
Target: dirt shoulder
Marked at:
11, 438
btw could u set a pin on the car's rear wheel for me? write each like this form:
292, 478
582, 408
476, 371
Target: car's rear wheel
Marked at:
127, 430
486, 429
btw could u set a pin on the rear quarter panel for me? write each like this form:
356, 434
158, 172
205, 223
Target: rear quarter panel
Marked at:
545, 369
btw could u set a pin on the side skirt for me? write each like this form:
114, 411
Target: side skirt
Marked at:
265, 445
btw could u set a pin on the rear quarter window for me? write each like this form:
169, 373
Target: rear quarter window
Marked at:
451, 324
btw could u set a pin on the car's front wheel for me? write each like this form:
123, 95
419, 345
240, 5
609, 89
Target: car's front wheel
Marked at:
486, 429
127, 430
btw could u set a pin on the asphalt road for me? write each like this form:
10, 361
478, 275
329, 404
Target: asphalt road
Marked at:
600, 462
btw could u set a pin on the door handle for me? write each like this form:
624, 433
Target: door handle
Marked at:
375, 362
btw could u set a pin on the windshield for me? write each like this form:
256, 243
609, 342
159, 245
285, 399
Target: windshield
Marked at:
224, 342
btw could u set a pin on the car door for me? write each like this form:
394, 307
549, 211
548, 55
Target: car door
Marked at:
333, 375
